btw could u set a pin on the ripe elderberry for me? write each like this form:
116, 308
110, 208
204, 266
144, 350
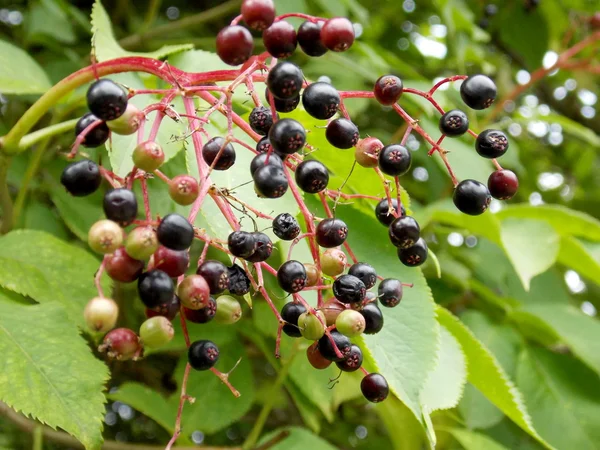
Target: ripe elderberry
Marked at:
203, 315
218, 152
471, 197
321, 100
286, 106
155, 288
287, 136
478, 92
122, 267
367, 151
261, 120
352, 361
258, 14
216, 275
394, 160
383, 214
203, 354
105, 236
261, 160
404, 232
373, 318
120, 205
121, 344
194, 292
241, 244
309, 38
285, 80
286, 227
414, 256
148, 156
184, 189
349, 289
315, 358
390, 292
96, 136
106, 99
333, 262
173, 262
312, 176
270, 181
239, 283
156, 332
491, 144
454, 123
101, 314
327, 348
280, 39
81, 178
374, 387
350, 323
388, 89
290, 314
342, 133
234, 45
291, 276
365, 273
264, 247
168, 310
337, 34
175, 232
264, 145
503, 184
331, 232
229, 310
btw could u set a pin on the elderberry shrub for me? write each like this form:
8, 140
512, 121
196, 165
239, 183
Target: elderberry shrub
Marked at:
234, 45
239, 283
383, 214
328, 348
106, 99
175, 232
216, 275
287, 136
404, 232
365, 273
203, 354
478, 92
349, 289
394, 160
280, 39
155, 288
120, 205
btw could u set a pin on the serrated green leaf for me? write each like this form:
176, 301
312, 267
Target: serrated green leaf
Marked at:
298, 439
106, 46
49, 371
20, 73
38, 265
531, 245
563, 398
471, 440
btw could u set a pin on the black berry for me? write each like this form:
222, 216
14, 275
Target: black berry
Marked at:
203, 315
342, 133
394, 160
261, 120
260, 161
309, 38
264, 248
155, 288
374, 387
270, 181
404, 232
414, 256
216, 275
312, 176
168, 310
321, 100
120, 205
175, 232
292, 276
286, 227
96, 136
264, 145
503, 184
280, 39
471, 197
290, 314
106, 99
81, 178
202, 355
478, 92
331, 233
491, 144
241, 244
382, 211
365, 273
327, 348
373, 318
454, 123
349, 289
239, 283
388, 89
352, 361
287, 136
219, 153
390, 292
234, 45
285, 80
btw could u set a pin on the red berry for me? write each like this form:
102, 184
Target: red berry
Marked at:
122, 267
337, 34
280, 39
194, 292
388, 89
503, 184
173, 262
258, 14
234, 45
121, 344
374, 387
315, 358
367, 151
184, 189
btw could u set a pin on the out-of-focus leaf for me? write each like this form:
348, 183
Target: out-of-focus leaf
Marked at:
20, 73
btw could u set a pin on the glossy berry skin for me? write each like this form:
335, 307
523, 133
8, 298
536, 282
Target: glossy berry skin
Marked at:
454, 123
291, 276
122, 267
404, 232
365, 273
503, 184
241, 244
105, 236
239, 283
81, 178
333, 262
194, 292
183, 189
264, 248
260, 161
173, 262
471, 197
121, 344
169, 309
414, 256
367, 151
148, 156
388, 89
327, 349
156, 332
286, 227
394, 160
155, 288
258, 14
261, 120
349, 289
312, 326
321, 100
229, 310
337, 34
280, 39
264, 145
478, 92
270, 181
374, 387
342, 133
203, 354
312, 176
285, 80
382, 211
217, 154
216, 275
120, 205
309, 38
106, 99
313, 276
353, 360
101, 314
234, 45
331, 233
373, 318
390, 292
96, 136
290, 314
175, 232
491, 144
286, 106
332, 309
315, 358
203, 315
287, 136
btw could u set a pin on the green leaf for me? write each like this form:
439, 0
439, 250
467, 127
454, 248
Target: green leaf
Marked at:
20, 73
575, 255
471, 440
487, 375
404, 430
297, 439
47, 20
106, 46
518, 26
445, 384
531, 245
49, 372
563, 398
38, 265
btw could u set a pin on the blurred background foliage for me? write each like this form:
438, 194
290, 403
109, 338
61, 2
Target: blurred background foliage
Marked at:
546, 338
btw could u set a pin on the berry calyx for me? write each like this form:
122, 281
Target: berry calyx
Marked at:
194, 292
414, 256
503, 184
175, 232
258, 14
121, 344
491, 144
101, 314
184, 189
454, 123
173, 262
229, 310
350, 323
478, 92
203, 354
286, 227
373, 318
290, 314
383, 214
128, 123
280, 39
321, 100
216, 275
337, 34
394, 160
471, 197
315, 358
234, 45
120, 205
122, 267
312, 176
287, 136
239, 283
342, 133
261, 120
374, 387
105, 236
285, 80
203, 315
155, 288
106, 99
291, 276
81, 178
327, 347
388, 89
156, 332
352, 361
367, 151
241, 244
331, 232
96, 136
218, 153
312, 326
404, 232
365, 273
349, 289
309, 38
148, 156
333, 262
390, 292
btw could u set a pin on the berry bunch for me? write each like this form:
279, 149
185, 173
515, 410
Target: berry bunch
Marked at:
154, 251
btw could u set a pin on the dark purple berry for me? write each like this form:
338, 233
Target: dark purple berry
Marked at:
261, 120
106, 99
342, 133
286, 227
390, 292
216, 275
491, 144
394, 160
270, 181
203, 315
365, 273
280, 39
327, 348
352, 361
471, 197
81, 178
382, 211
309, 38
292, 276
219, 153
241, 244
373, 318
120, 205
331, 233
349, 289
264, 248
388, 89
234, 45
259, 161
264, 145
312, 176
321, 100
290, 314
285, 80
202, 355
239, 283
287, 136
414, 256
155, 288
374, 387
404, 232
96, 136
478, 92
503, 184
169, 309
173, 262
454, 123
175, 232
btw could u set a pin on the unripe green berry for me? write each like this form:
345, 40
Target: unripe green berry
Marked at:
367, 151
350, 323
101, 314
229, 310
156, 332
129, 122
333, 262
332, 309
310, 326
148, 156
184, 189
105, 236
141, 243
312, 274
